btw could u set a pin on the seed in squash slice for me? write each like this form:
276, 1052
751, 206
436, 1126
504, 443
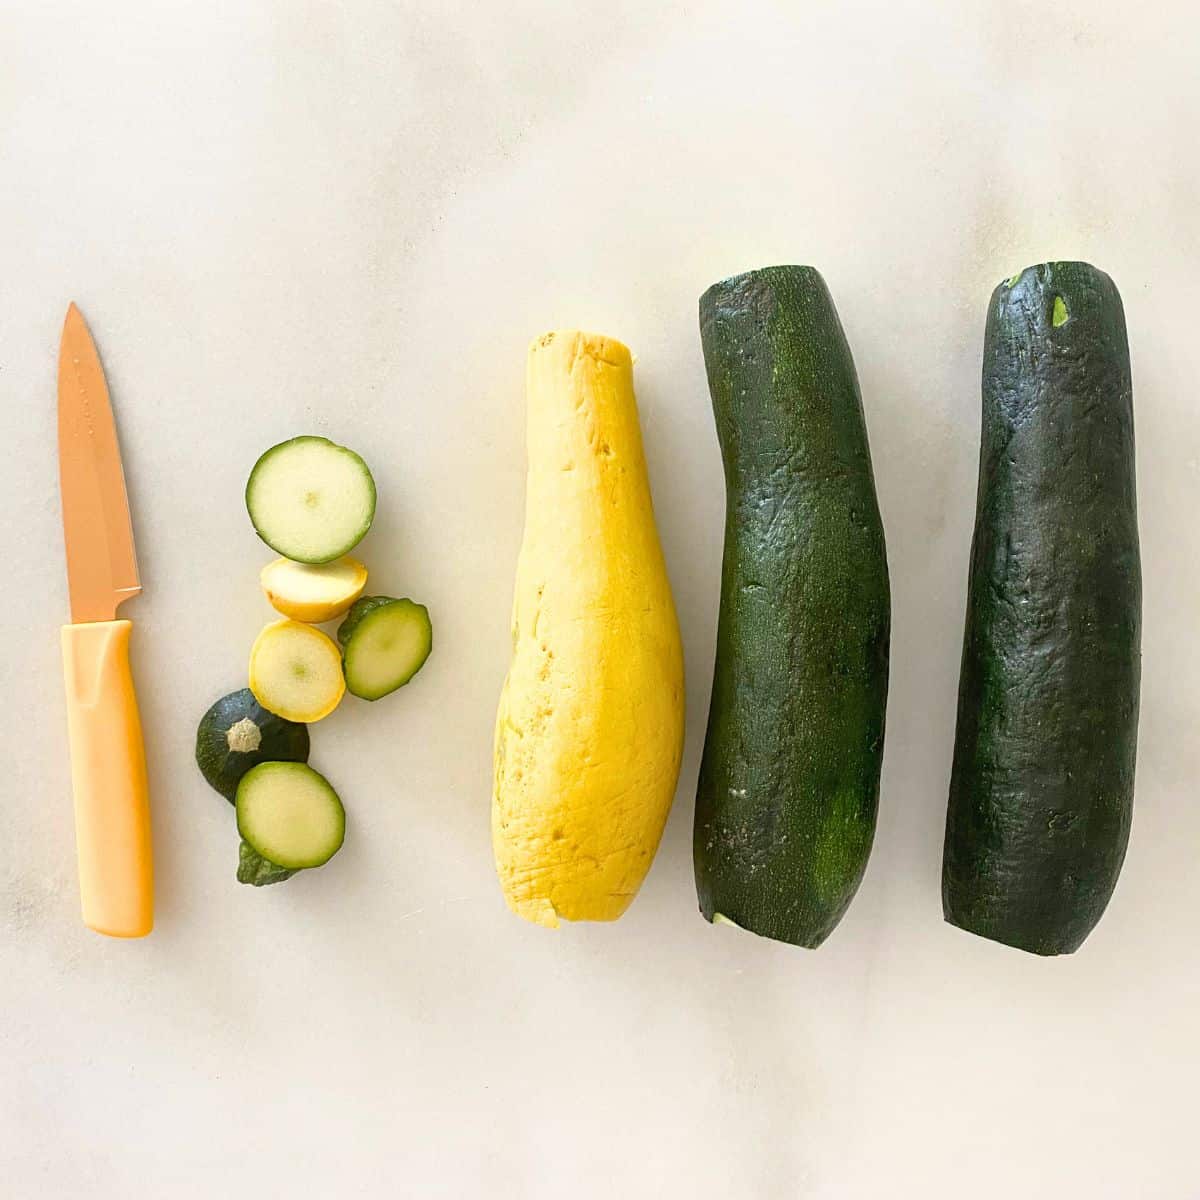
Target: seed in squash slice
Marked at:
296, 671
313, 593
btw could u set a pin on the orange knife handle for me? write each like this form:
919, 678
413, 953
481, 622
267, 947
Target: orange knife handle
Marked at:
108, 771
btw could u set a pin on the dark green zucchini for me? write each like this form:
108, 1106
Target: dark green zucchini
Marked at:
1041, 792
237, 733
789, 781
258, 871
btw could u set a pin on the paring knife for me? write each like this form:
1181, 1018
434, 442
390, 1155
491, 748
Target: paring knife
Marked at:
108, 764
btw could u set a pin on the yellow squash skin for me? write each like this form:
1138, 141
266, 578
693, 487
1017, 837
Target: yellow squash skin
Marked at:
590, 728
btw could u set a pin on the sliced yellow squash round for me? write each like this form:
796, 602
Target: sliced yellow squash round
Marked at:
313, 593
296, 671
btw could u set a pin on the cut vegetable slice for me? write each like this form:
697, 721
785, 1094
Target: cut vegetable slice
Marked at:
296, 671
385, 642
311, 500
289, 814
313, 592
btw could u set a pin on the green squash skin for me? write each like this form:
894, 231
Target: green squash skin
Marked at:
223, 768
362, 607
789, 780
258, 871
1041, 793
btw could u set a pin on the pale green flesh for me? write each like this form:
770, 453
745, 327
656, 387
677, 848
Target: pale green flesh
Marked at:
1060, 316
387, 649
310, 500
290, 815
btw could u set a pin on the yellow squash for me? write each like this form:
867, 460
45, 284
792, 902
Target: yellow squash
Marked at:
590, 728
313, 592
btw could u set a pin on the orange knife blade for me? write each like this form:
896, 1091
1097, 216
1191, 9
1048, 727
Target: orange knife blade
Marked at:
108, 764
101, 563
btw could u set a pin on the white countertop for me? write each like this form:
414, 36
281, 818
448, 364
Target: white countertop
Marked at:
351, 219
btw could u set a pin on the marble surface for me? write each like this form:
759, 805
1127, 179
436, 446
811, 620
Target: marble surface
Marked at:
350, 219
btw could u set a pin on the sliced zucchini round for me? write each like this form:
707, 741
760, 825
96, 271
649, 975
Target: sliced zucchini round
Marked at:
296, 671
289, 814
385, 642
313, 592
311, 500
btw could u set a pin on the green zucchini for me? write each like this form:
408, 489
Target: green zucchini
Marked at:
311, 500
290, 815
789, 780
258, 871
1041, 792
385, 642
237, 733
